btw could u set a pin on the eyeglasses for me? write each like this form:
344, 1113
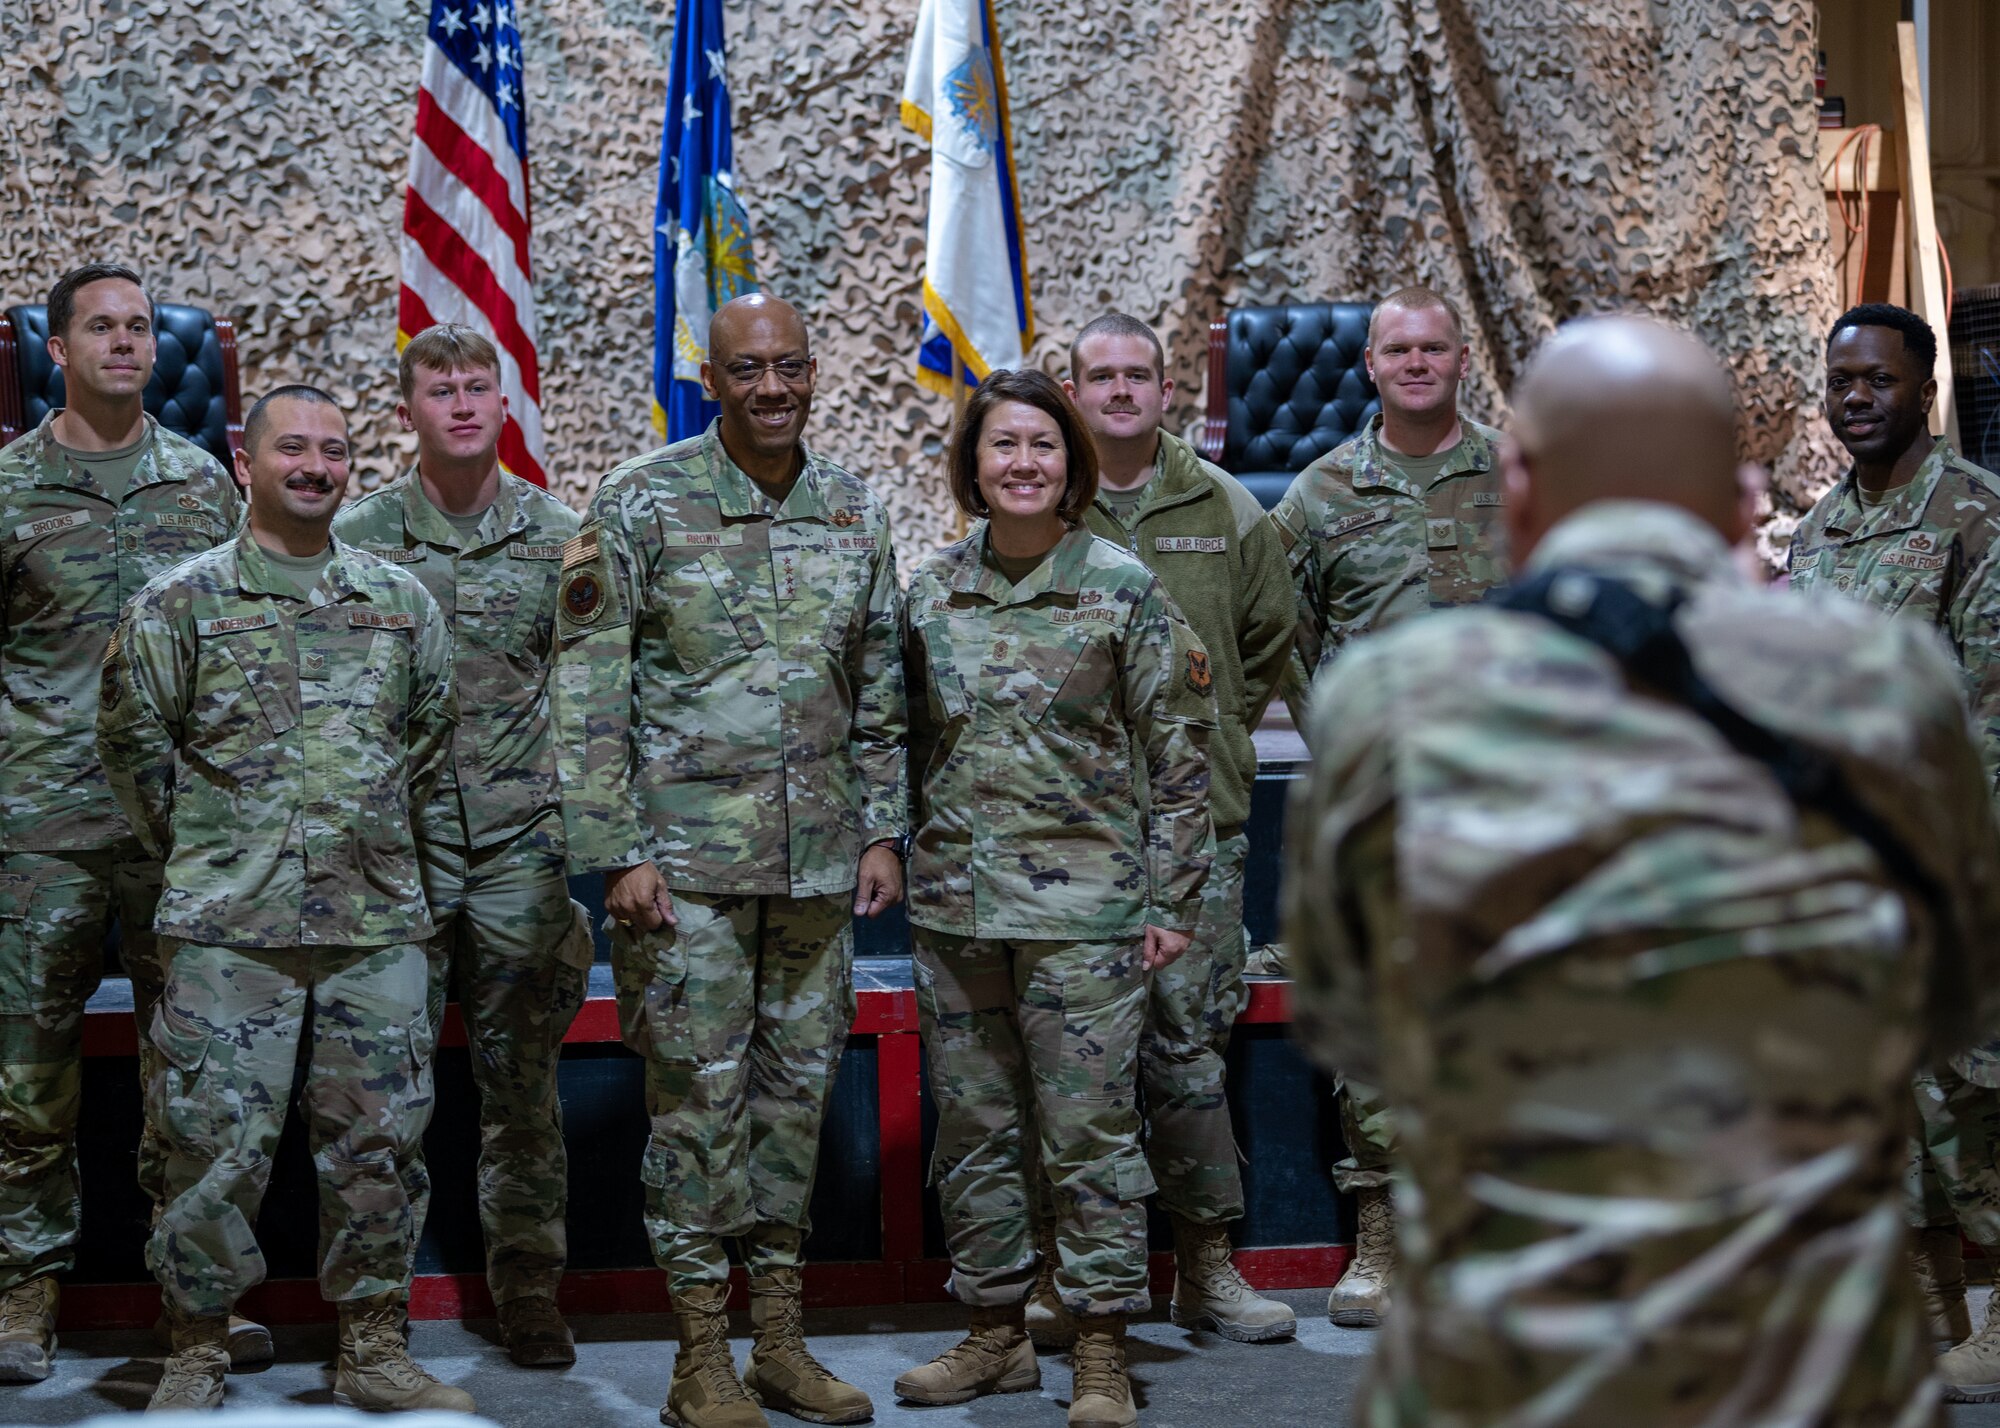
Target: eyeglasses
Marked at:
791, 371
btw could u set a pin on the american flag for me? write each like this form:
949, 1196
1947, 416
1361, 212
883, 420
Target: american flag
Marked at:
465, 213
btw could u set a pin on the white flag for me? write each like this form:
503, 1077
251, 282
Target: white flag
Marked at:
976, 297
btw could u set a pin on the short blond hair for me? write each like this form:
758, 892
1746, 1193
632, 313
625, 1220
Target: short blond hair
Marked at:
446, 347
1418, 298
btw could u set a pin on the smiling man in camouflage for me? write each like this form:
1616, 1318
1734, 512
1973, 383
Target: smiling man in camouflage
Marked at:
1401, 519
730, 679
272, 716
94, 502
1913, 528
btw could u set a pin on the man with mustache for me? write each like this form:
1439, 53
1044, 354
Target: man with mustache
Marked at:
1403, 518
1913, 528
272, 716
730, 671
1207, 540
94, 502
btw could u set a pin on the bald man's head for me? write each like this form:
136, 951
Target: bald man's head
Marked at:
760, 369
1622, 409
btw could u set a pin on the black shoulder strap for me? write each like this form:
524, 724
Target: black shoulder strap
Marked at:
1641, 636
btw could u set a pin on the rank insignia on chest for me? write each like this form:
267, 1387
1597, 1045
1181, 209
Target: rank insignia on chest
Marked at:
582, 597
846, 518
1198, 677
187, 501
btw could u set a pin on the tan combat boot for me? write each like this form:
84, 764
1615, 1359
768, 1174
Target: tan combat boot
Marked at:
1939, 1260
705, 1392
249, 1341
28, 1330
1210, 1294
534, 1333
1050, 1326
1102, 1397
375, 1370
1971, 1372
996, 1356
1361, 1297
782, 1373
197, 1366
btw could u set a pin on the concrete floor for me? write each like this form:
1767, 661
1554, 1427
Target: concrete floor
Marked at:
1185, 1380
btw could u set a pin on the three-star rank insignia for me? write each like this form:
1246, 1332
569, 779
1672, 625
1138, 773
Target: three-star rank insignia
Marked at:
1199, 679
844, 517
582, 596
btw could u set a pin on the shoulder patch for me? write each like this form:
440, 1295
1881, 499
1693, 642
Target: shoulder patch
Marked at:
580, 549
582, 595
382, 619
111, 648
1199, 678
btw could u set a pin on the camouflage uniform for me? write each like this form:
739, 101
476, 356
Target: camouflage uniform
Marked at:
1647, 1024
494, 870
274, 751
1062, 732
1931, 554
729, 687
1219, 557
70, 557
1368, 550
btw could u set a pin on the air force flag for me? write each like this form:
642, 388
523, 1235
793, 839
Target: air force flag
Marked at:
701, 235
976, 302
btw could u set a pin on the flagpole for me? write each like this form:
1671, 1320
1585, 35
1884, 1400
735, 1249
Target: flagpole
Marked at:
959, 396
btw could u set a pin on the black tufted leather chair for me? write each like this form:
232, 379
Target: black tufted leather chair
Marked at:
194, 390
1286, 385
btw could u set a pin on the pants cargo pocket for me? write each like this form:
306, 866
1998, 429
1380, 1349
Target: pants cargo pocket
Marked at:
179, 1101
576, 949
1103, 1016
650, 971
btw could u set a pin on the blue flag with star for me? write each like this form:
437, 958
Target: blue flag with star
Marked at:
701, 235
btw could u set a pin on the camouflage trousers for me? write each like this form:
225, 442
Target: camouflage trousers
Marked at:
1370, 1133
232, 1026
1955, 1162
516, 953
1033, 1050
1190, 1143
54, 911
741, 1013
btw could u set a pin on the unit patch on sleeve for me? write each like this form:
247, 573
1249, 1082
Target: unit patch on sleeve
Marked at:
582, 596
1199, 679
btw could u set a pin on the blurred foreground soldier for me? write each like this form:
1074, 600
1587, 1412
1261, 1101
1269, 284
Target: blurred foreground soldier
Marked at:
1208, 541
1642, 892
488, 546
1913, 529
1060, 715
93, 503
1403, 518
272, 716
729, 672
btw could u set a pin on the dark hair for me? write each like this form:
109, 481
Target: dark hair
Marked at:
1041, 391
1118, 324
1918, 338
254, 424
62, 297
1418, 298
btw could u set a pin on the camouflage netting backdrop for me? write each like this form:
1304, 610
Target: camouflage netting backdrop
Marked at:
1533, 158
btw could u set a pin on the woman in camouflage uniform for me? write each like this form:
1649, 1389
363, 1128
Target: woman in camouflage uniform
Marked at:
1060, 711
